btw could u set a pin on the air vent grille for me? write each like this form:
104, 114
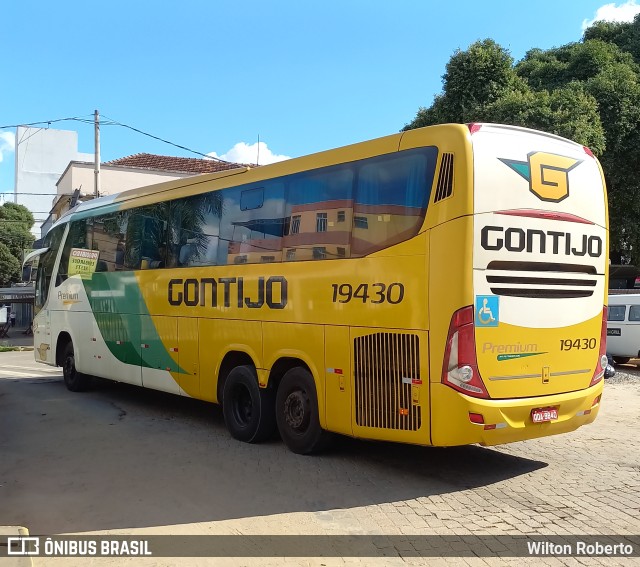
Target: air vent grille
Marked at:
444, 188
387, 366
548, 280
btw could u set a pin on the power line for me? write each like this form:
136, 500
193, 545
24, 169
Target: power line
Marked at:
76, 118
21, 193
112, 122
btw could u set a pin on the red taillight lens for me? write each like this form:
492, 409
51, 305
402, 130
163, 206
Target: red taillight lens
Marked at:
601, 365
474, 127
460, 368
588, 151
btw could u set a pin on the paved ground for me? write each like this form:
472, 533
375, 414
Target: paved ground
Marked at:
121, 460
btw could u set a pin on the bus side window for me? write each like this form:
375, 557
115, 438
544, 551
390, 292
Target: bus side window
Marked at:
252, 224
80, 236
194, 224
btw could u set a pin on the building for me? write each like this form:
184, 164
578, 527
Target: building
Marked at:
77, 180
41, 155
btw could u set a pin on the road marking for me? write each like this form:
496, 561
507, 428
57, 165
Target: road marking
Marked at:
16, 373
36, 369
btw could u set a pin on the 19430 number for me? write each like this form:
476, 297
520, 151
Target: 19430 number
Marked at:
372, 293
570, 344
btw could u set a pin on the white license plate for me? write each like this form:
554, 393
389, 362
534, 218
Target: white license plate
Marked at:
540, 415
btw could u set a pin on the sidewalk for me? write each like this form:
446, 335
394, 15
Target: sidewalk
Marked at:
17, 338
15, 560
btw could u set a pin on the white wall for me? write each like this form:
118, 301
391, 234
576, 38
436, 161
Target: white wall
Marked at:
113, 179
42, 154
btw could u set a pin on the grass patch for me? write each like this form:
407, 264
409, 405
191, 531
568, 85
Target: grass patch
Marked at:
8, 348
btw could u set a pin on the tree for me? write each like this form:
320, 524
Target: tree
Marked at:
15, 228
473, 79
15, 235
10, 267
588, 91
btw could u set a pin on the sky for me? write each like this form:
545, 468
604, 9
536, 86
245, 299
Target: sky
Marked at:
215, 77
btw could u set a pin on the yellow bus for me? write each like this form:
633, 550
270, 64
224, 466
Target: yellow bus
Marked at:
441, 286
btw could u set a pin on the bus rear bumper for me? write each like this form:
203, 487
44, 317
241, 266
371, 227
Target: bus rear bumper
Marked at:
506, 421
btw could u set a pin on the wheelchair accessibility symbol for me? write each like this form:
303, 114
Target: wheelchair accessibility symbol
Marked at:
487, 310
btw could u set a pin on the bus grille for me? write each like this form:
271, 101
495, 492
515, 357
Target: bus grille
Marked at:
541, 279
386, 365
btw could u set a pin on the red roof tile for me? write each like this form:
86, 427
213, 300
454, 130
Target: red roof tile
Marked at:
169, 163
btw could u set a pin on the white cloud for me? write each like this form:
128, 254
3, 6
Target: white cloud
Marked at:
7, 143
250, 153
612, 13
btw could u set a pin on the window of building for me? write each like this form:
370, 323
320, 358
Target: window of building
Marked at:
291, 254
321, 222
360, 222
240, 259
341, 216
295, 224
341, 252
267, 258
319, 252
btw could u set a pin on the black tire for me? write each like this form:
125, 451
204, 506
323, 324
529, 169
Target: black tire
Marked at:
621, 359
74, 380
248, 410
297, 413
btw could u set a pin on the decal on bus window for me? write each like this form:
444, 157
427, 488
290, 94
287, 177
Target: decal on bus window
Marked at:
487, 310
82, 262
547, 174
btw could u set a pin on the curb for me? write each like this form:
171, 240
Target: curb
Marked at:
13, 560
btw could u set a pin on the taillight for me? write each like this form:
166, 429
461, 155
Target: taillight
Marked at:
460, 368
474, 127
602, 362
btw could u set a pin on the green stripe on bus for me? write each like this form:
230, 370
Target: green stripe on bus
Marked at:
121, 325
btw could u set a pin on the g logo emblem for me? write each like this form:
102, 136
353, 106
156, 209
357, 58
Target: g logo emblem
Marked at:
550, 175
547, 174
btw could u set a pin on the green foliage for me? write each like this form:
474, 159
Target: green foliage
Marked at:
15, 235
10, 267
587, 91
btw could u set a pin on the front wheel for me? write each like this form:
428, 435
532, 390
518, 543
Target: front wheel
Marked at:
297, 413
248, 409
74, 380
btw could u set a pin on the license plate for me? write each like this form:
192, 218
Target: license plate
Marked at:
540, 415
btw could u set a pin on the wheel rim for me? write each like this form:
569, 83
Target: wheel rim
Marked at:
242, 406
297, 411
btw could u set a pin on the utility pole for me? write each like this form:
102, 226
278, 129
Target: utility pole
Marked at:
96, 170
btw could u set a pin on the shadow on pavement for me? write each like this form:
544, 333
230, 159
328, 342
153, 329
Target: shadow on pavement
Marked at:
121, 457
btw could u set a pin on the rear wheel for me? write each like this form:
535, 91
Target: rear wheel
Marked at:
74, 380
248, 409
621, 359
297, 413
